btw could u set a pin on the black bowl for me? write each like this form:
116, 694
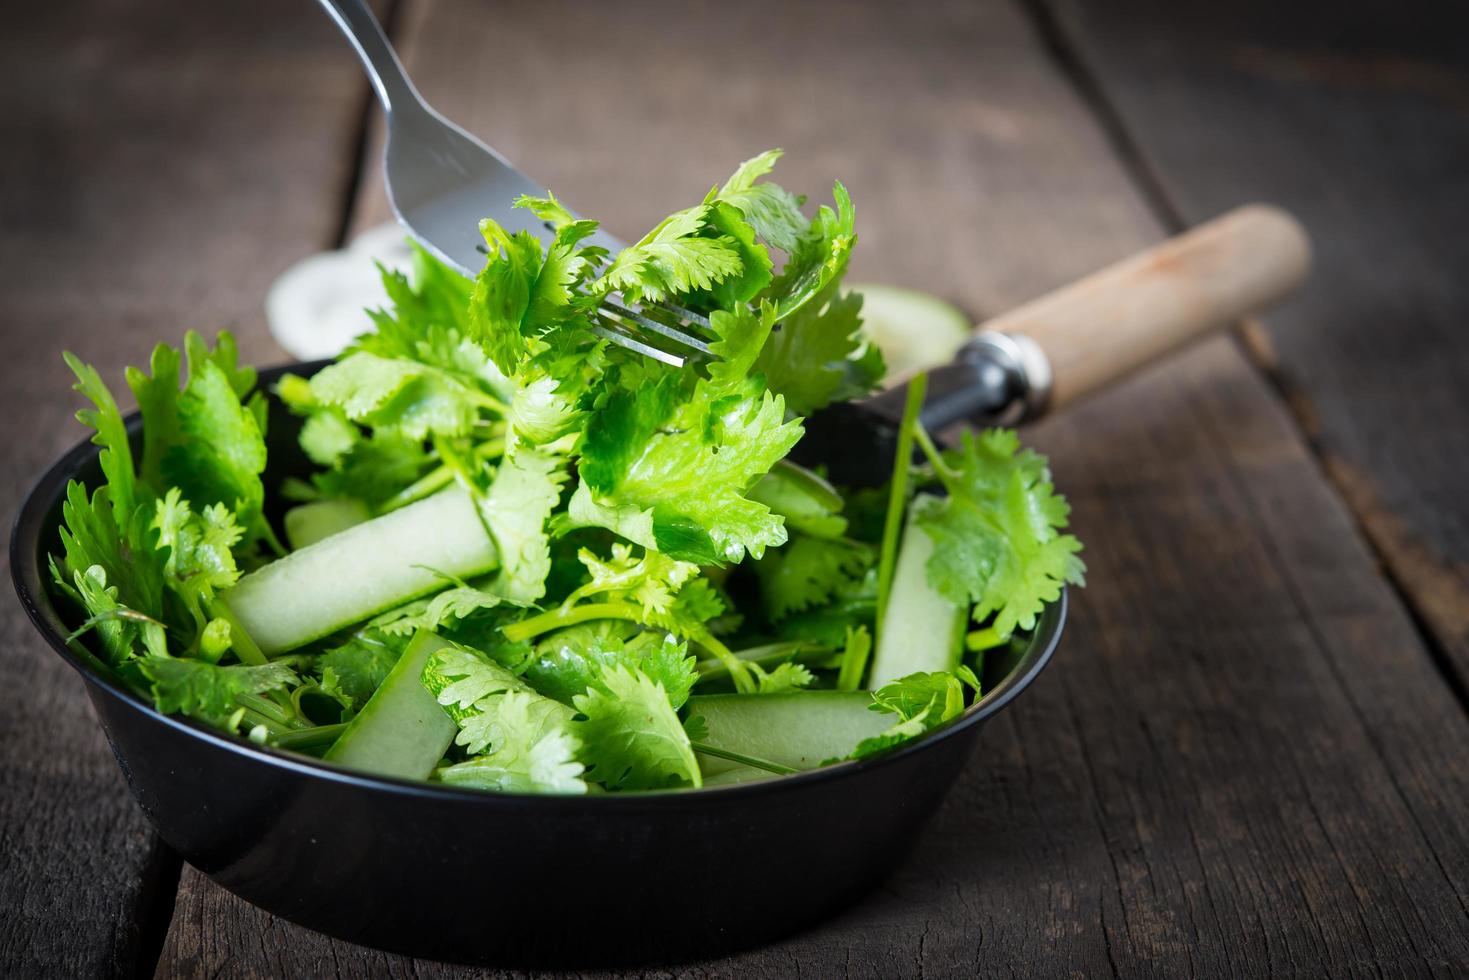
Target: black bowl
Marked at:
502, 878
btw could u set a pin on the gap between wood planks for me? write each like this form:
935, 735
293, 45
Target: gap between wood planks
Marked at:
1396, 555
164, 870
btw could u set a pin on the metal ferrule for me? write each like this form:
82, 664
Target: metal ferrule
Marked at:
994, 379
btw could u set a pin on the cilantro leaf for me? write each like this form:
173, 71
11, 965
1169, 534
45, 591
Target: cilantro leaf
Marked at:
631, 736
818, 353
407, 397
433, 612
785, 677
200, 547
520, 500
671, 259
571, 661
359, 666
208, 440
327, 437
521, 740
116, 457
206, 691
772, 212
125, 633
535, 751
742, 336
725, 223
462, 680
501, 297
820, 257
375, 470
808, 571
123, 546
997, 537
922, 702
650, 581
673, 476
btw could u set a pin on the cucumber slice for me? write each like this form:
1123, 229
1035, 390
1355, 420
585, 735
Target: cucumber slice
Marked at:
362, 571
801, 729
922, 630
320, 519
913, 330
401, 731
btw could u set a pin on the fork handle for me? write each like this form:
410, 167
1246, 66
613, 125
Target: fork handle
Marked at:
389, 80
1104, 327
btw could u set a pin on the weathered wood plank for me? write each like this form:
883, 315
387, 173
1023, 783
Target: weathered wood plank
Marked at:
1356, 117
1243, 760
161, 164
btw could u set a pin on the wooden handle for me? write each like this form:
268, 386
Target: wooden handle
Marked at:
1115, 321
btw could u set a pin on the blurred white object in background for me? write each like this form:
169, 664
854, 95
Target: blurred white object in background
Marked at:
315, 308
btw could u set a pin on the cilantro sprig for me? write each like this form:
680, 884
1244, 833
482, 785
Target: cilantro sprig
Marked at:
639, 536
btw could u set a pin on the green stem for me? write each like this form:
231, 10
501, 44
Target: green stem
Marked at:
437, 478
486, 401
898, 493
739, 670
855, 656
941, 469
703, 748
770, 652
244, 646
563, 616
986, 639
251, 719
320, 736
269, 709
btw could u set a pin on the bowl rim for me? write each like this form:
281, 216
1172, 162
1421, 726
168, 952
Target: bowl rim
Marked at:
29, 529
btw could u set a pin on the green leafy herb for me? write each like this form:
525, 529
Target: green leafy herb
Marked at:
206, 691
519, 741
922, 702
998, 537
631, 735
614, 525
807, 572
358, 667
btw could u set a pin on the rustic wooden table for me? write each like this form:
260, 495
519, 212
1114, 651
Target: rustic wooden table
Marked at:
1251, 756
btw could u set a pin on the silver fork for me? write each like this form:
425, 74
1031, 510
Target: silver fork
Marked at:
441, 180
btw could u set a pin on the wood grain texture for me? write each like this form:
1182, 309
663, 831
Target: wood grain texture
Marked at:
160, 164
1355, 117
1243, 761
1100, 329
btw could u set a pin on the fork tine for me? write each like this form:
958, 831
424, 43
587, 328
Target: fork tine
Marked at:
607, 331
697, 319
659, 328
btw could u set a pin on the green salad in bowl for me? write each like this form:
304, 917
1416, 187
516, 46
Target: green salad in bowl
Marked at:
532, 560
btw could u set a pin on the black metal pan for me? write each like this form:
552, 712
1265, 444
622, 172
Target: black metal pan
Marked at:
502, 878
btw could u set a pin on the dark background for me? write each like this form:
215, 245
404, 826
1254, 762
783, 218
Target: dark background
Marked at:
1249, 757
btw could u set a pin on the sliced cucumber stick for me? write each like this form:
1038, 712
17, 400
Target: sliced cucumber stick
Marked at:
401, 731
922, 630
913, 330
320, 519
362, 571
801, 729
